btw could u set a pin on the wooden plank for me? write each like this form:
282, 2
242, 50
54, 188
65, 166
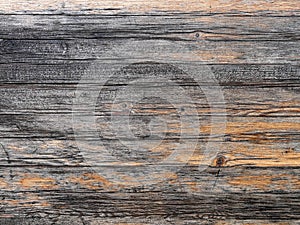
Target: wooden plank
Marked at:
252, 50
218, 39
138, 6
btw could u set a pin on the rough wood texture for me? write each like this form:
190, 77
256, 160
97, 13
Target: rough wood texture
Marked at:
252, 48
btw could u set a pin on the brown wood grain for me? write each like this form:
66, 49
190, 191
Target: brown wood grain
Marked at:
251, 47
138, 6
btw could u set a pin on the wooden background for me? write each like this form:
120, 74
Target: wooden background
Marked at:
252, 47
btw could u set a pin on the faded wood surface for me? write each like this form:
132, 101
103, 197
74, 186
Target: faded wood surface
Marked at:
252, 48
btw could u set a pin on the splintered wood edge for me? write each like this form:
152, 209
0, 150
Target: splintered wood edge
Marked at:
138, 6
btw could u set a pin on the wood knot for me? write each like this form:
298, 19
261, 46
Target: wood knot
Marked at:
290, 150
220, 161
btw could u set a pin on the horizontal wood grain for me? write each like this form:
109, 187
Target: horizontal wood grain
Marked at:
138, 6
252, 48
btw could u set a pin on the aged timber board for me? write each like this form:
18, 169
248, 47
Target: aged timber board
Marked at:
133, 80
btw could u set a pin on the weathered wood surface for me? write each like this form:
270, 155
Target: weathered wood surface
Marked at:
252, 48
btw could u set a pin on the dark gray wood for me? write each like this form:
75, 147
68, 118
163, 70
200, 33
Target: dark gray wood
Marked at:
254, 178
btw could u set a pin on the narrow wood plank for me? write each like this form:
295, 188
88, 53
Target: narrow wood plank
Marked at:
134, 6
